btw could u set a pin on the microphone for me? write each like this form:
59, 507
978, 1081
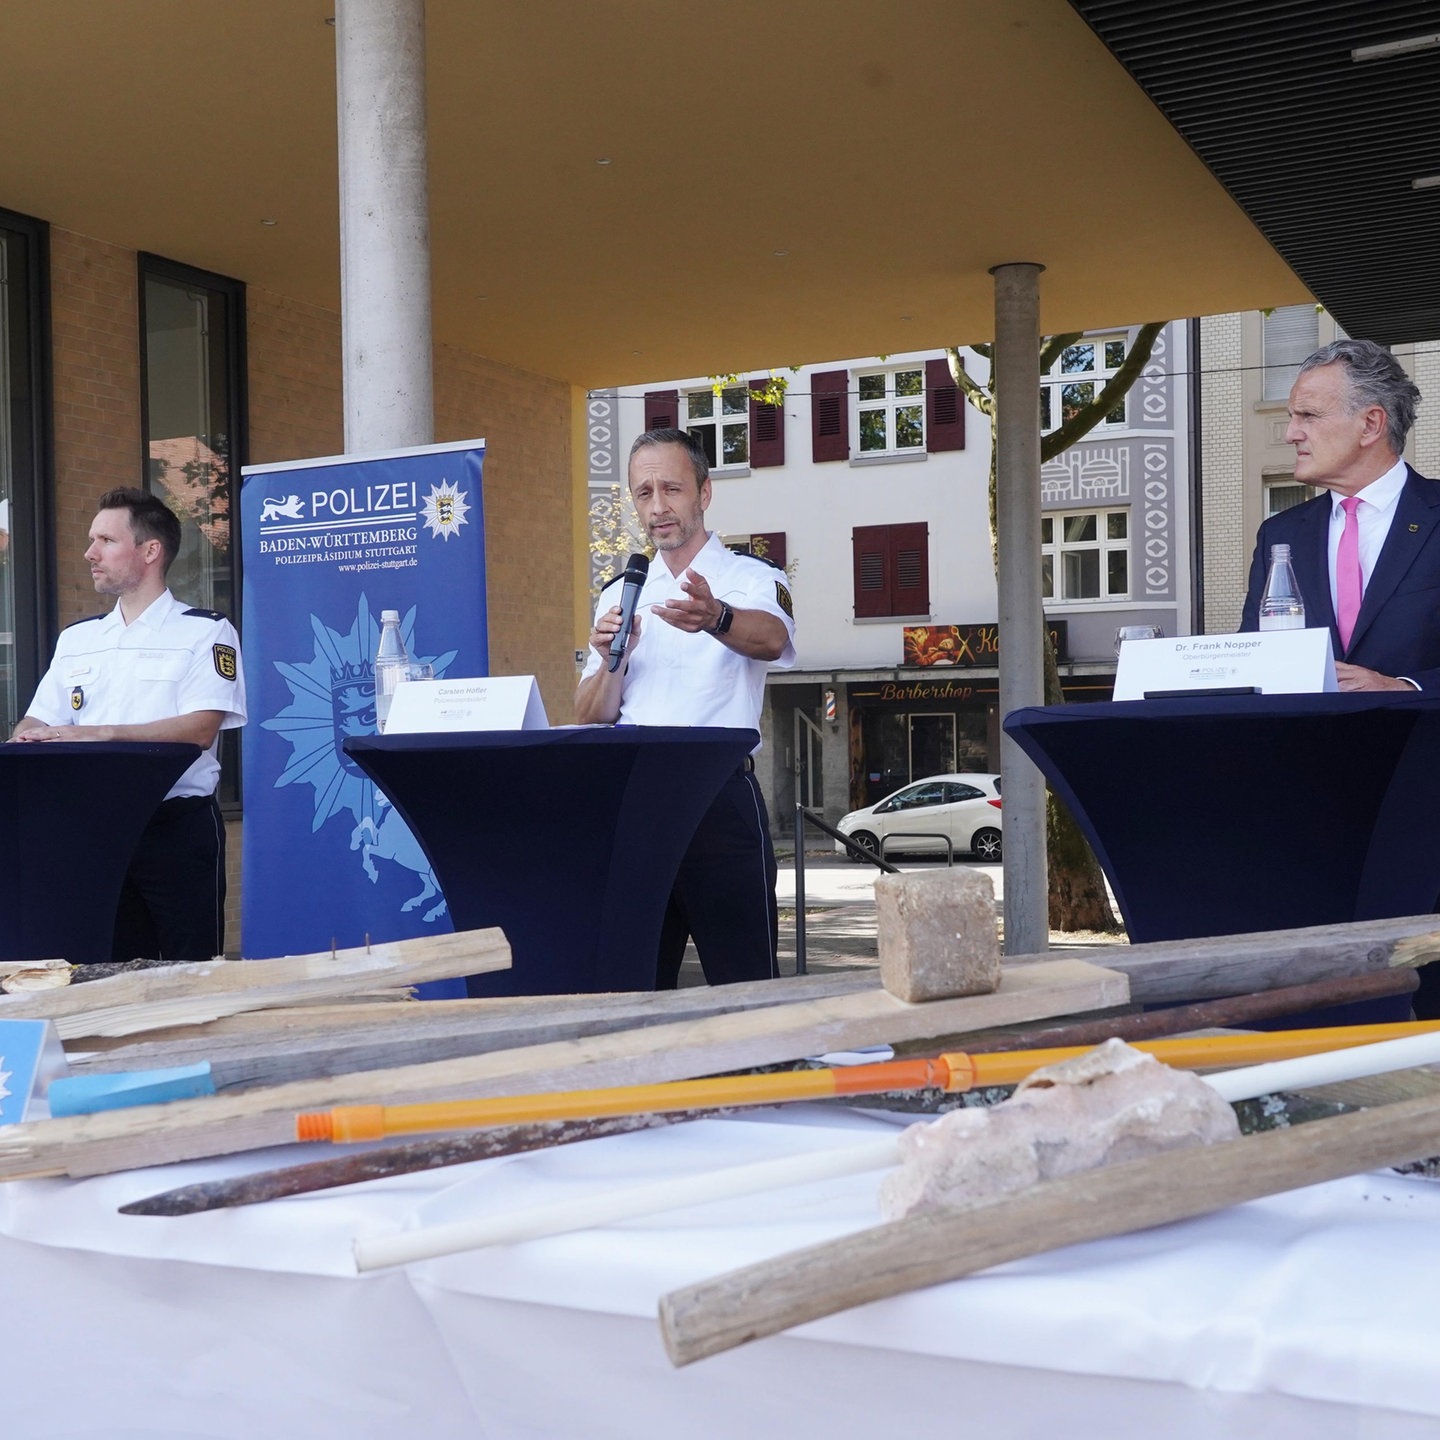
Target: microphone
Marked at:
636, 569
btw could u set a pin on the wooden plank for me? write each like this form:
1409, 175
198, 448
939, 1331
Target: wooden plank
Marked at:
377, 1037
441, 1030
774, 1295
223, 1124
1173, 971
184, 994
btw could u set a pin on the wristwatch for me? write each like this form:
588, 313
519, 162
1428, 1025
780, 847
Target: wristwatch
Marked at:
722, 625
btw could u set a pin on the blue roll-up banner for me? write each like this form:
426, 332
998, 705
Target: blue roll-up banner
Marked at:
328, 545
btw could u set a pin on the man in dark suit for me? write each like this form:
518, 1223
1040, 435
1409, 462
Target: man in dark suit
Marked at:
1351, 408
1367, 554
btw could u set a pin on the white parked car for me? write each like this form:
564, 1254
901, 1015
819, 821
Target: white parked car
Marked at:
916, 817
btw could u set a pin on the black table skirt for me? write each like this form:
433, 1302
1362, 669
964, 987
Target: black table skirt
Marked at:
70, 814
566, 839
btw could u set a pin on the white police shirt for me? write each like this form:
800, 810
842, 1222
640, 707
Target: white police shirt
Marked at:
673, 677
170, 661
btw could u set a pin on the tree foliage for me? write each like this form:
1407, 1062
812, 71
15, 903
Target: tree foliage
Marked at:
615, 534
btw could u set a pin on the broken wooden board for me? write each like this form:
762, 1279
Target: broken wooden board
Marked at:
922, 1250
223, 1124
187, 994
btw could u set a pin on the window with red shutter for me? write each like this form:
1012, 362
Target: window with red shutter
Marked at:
892, 570
662, 408
770, 545
830, 416
944, 409
767, 430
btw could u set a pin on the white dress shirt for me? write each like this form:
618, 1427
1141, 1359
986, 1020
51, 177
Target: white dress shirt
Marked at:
675, 677
1374, 513
170, 660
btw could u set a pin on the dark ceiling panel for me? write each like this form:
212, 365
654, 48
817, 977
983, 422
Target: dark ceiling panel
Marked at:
1318, 150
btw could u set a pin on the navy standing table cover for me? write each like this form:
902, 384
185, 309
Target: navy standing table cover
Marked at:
70, 815
566, 839
1225, 815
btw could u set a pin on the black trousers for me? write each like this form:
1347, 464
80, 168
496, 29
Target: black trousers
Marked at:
724, 893
172, 905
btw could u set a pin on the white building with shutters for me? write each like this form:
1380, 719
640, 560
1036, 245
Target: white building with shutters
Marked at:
869, 486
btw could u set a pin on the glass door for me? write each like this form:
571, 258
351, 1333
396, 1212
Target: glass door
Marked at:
24, 541
932, 745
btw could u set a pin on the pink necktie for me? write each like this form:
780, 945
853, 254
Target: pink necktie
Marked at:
1349, 582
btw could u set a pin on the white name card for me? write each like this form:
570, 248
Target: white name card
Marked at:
485, 702
1272, 662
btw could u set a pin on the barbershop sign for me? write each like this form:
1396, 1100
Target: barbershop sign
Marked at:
966, 645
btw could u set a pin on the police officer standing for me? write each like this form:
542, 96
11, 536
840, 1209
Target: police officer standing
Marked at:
154, 670
708, 625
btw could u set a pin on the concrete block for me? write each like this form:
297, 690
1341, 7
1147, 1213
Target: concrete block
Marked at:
936, 933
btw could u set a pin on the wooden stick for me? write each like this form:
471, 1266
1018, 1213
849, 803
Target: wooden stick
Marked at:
184, 994
764, 1299
283, 1045
289, 1046
223, 1124
1177, 971
409, 1159
1236, 1011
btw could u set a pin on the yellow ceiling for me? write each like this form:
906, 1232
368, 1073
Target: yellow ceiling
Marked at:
893, 150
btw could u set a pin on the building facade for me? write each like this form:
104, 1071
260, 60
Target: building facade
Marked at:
869, 485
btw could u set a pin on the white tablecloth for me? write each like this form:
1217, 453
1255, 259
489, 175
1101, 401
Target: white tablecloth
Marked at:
1312, 1314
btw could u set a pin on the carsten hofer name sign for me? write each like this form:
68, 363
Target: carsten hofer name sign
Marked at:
1276, 662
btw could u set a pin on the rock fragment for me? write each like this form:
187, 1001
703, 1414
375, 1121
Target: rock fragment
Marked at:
1112, 1104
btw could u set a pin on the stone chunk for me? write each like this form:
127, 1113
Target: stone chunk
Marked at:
936, 934
1112, 1104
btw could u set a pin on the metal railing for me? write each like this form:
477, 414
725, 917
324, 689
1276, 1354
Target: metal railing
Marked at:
860, 852
920, 835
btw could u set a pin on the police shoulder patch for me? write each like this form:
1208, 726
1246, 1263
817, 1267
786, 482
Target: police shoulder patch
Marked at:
206, 614
782, 598
225, 661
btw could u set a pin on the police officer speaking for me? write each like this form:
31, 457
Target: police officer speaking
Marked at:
708, 625
151, 669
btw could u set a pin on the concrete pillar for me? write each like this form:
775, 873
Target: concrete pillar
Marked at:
384, 224
1022, 660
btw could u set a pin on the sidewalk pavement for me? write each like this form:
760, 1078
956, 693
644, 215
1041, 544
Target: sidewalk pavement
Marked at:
840, 916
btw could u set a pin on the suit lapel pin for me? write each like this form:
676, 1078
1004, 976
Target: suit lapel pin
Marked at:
1414, 528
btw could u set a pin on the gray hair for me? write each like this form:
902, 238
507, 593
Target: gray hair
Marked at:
667, 435
1376, 378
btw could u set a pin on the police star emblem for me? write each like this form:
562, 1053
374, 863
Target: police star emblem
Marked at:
444, 509
77, 697
225, 666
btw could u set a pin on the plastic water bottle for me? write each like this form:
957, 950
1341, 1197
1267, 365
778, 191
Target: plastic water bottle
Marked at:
390, 663
1281, 605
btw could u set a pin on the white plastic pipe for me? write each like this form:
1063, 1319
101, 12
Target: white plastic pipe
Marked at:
1334, 1065
581, 1214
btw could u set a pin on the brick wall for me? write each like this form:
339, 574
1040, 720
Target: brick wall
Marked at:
95, 311
530, 534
